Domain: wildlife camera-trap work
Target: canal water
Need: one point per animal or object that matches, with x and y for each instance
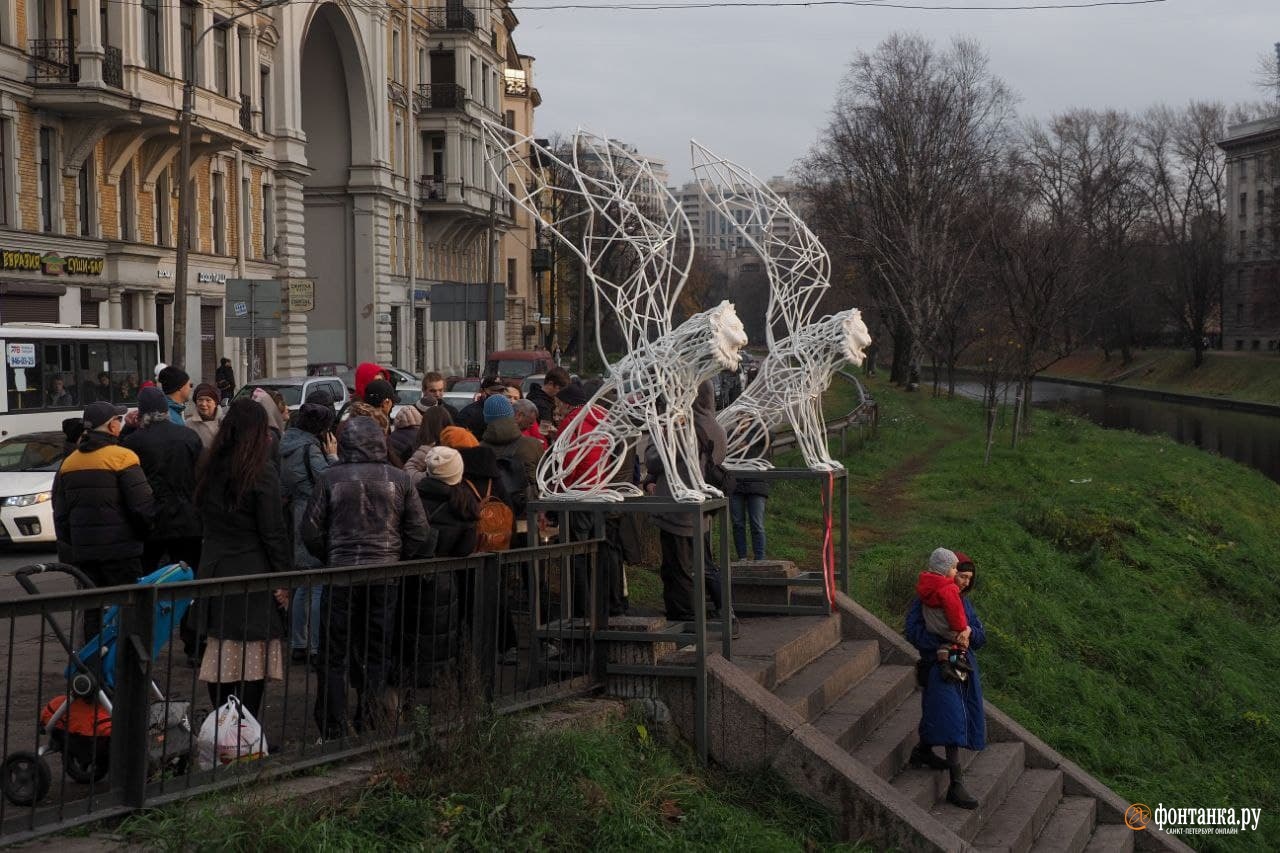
(1251, 439)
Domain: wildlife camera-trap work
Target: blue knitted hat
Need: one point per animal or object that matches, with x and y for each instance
(497, 406)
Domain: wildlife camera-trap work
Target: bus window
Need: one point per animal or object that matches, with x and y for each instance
(95, 372)
(124, 372)
(59, 373)
(24, 381)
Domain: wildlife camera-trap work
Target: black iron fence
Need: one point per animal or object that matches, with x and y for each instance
(53, 60)
(453, 17)
(442, 96)
(113, 67)
(331, 663)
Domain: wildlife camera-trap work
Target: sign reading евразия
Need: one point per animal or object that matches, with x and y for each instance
(49, 263)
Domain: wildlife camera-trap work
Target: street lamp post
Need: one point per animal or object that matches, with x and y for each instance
(177, 356)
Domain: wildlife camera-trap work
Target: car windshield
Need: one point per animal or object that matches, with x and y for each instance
(31, 453)
(511, 368)
(292, 393)
(408, 396)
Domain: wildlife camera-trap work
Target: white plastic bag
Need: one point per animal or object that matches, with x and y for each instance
(230, 733)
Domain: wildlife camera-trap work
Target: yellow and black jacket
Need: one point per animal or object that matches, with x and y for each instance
(102, 503)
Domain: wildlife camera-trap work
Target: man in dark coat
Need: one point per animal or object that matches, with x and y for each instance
(675, 530)
(472, 415)
(225, 379)
(168, 454)
(521, 452)
(102, 505)
(544, 396)
(363, 511)
(433, 395)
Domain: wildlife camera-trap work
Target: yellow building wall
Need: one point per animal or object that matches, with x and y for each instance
(29, 197)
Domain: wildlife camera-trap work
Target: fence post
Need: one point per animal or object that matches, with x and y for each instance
(700, 633)
(131, 706)
(599, 602)
(484, 621)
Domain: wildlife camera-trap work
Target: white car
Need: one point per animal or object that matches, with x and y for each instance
(27, 466)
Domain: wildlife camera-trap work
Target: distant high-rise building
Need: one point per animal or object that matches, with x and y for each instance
(713, 232)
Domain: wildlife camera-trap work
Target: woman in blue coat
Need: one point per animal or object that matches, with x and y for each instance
(951, 712)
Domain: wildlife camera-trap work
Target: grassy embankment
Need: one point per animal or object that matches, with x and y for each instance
(1128, 586)
(500, 786)
(1241, 376)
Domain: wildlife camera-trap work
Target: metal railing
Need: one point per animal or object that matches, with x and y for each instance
(863, 417)
(414, 640)
(53, 61)
(246, 113)
(432, 188)
(452, 17)
(442, 96)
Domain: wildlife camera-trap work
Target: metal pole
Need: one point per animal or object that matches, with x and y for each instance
(177, 354)
(700, 634)
(488, 284)
(253, 322)
(844, 533)
(726, 587)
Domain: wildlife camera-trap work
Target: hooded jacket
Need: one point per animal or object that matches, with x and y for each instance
(712, 446)
(480, 469)
(507, 441)
(102, 503)
(940, 591)
(168, 454)
(586, 463)
(302, 461)
(364, 510)
(366, 372)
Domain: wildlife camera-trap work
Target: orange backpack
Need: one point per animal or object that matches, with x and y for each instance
(496, 521)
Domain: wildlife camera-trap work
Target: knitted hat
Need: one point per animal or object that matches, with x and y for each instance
(444, 464)
(458, 437)
(942, 561)
(172, 378)
(497, 406)
(962, 559)
(97, 414)
(204, 389)
(151, 400)
(573, 394)
(408, 416)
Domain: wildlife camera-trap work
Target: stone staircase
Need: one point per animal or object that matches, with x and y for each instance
(831, 703)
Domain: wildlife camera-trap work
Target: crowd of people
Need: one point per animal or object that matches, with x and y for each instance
(246, 486)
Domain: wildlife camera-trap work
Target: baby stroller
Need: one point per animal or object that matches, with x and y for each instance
(78, 723)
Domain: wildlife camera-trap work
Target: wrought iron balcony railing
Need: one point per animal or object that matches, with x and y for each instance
(443, 96)
(246, 113)
(53, 61)
(432, 188)
(113, 67)
(452, 17)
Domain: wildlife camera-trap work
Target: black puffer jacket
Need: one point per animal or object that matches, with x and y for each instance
(364, 511)
(457, 531)
(169, 454)
(102, 503)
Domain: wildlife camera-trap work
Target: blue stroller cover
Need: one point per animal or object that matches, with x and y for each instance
(99, 652)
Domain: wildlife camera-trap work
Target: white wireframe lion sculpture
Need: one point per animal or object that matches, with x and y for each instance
(622, 223)
(798, 369)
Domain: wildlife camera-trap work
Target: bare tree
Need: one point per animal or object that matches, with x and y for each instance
(914, 135)
(1085, 168)
(1184, 179)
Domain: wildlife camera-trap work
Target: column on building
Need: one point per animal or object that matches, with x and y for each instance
(89, 51)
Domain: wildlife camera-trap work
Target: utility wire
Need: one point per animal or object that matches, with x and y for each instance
(875, 4)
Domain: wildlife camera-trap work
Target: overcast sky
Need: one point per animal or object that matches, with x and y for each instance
(755, 85)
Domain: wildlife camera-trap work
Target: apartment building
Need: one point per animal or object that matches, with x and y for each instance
(1251, 292)
(333, 142)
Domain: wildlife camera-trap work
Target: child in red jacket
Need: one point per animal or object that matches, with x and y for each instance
(943, 612)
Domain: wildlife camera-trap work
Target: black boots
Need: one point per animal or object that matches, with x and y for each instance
(924, 756)
(956, 793)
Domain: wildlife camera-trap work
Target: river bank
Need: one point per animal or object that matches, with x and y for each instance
(1237, 376)
(1124, 583)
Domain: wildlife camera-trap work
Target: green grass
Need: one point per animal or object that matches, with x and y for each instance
(501, 787)
(1131, 616)
(1240, 376)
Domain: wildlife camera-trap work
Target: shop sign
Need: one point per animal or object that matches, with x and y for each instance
(49, 263)
(302, 294)
(211, 277)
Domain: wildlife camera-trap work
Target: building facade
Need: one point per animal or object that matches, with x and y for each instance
(712, 232)
(1251, 292)
(335, 143)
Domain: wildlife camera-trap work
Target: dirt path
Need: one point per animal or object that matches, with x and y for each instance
(888, 492)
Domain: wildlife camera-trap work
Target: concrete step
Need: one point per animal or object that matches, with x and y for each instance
(886, 748)
(1018, 820)
(988, 779)
(925, 787)
(773, 648)
(1069, 826)
(1111, 838)
(864, 705)
(813, 688)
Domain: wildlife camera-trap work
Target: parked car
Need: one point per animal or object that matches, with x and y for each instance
(518, 363)
(328, 368)
(28, 464)
(461, 391)
(535, 380)
(399, 376)
(296, 389)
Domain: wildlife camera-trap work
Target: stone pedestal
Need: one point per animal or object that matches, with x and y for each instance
(747, 589)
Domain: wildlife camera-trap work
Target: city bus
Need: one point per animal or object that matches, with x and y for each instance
(52, 371)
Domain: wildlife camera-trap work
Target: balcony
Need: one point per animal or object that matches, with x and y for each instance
(442, 96)
(54, 61)
(431, 188)
(453, 17)
(246, 113)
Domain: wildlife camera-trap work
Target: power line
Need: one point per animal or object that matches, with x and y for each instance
(876, 4)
